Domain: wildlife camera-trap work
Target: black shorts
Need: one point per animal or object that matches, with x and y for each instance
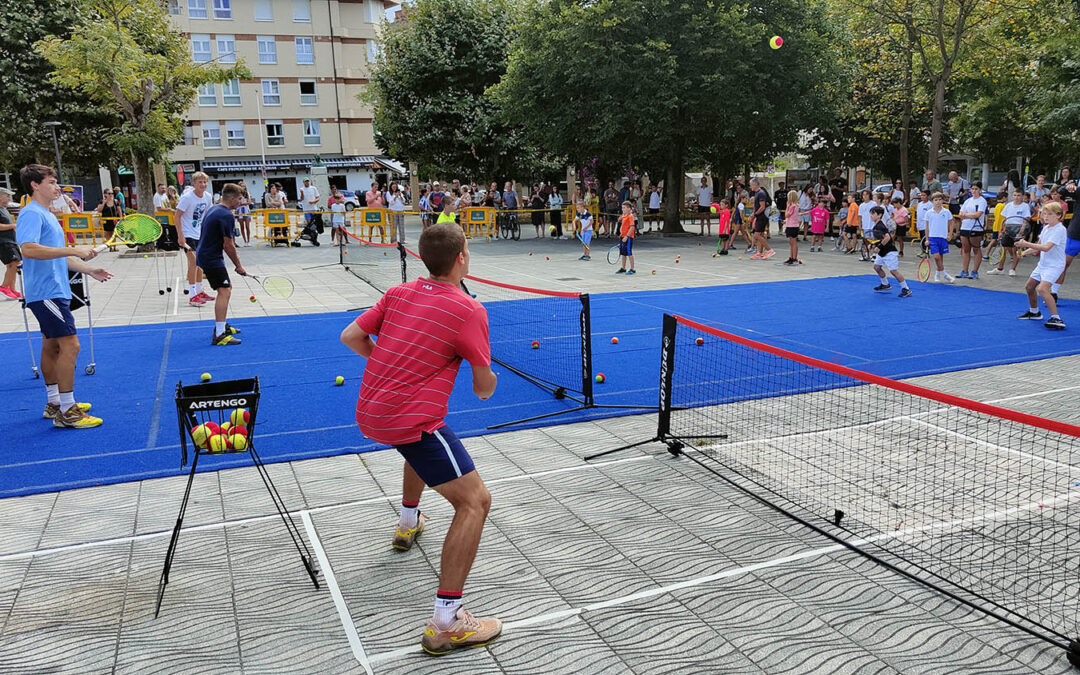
(1008, 240)
(704, 209)
(54, 317)
(954, 209)
(626, 248)
(899, 232)
(724, 236)
(217, 277)
(791, 232)
(972, 234)
(761, 223)
(193, 244)
(851, 229)
(9, 252)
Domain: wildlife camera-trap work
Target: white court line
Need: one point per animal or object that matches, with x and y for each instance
(995, 446)
(177, 292)
(21, 555)
(335, 592)
(699, 581)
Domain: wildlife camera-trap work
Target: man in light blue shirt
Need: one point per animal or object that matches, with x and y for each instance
(46, 262)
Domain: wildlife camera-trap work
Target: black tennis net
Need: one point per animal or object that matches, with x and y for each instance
(977, 501)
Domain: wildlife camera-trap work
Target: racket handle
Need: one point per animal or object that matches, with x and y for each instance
(101, 248)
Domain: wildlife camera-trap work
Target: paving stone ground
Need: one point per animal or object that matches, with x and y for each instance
(638, 563)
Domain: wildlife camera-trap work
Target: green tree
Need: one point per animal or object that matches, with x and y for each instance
(668, 82)
(427, 89)
(126, 57)
(28, 98)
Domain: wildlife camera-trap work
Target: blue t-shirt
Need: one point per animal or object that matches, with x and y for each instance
(217, 224)
(510, 200)
(45, 279)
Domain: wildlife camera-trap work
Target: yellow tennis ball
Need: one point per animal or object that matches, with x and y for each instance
(339, 380)
(201, 434)
(218, 444)
(225, 428)
(238, 441)
(205, 377)
(239, 417)
(776, 42)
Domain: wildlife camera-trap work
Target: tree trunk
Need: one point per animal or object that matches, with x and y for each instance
(936, 119)
(144, 184)
(673, 190)
(905, 127)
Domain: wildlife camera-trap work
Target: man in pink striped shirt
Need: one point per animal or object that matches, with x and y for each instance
(425, 329)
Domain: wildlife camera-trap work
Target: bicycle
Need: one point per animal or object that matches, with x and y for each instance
(508, 226)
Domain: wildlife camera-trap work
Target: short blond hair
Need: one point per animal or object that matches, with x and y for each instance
(197, 175)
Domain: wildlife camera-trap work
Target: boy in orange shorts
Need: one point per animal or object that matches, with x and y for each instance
(626, 239)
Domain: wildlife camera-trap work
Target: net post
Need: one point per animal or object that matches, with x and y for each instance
(586, 350)
(667, 369)
(404, 265)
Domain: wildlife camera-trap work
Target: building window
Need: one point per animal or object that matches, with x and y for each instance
(226, 49)
(375, 11)
(174, 7)
(307, 93)
(200, 48)
(372, 51)
(271, 92)
(208, 94)
(305, 50)
(189, 134)
(264, 10)
(222, 9)
(275, 132)
(230, 92)
(301, 11)
(234, 132)
(196, 9)
(267, 49)
(311, 133)
(211, 134)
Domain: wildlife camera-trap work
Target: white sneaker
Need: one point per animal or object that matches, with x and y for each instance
(995, 271)
(949, 278)
(1012, 273)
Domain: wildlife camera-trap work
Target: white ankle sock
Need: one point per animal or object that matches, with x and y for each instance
(191, 291)
(445, 611)
(903, 284)
(198, 287)
(67, 399)
(53, 392)
(219, 327)
(410, 515)
(1034, 310)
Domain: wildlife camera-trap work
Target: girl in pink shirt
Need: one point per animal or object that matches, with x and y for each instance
(901, 218)
(819, 218)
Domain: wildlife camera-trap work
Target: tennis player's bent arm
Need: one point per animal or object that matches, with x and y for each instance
(483, 382)
(357, 340)
(39, 252)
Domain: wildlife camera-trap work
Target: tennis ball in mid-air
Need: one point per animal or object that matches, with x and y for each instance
(339, 380)
(614, 340)
(205, 377)
(252, 298)
(218, 443)
(699, 341)
(536, 344)
(776, 42)
(239, 417)
(714, 207)
(600, 378)
(201, 434)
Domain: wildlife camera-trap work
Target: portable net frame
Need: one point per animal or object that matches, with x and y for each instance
(379, 265)
(973, 500)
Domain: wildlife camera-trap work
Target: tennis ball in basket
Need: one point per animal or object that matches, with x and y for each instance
(201, 434)
(600, 378)
(233, 431)
(205, 377)
(614, 340)
(225, 428)
(699, 342)
(239, 417)
(535, 344)
(339, 380)
(218, 443)
(238, 441)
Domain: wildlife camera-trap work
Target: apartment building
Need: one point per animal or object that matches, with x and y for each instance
(309, 59)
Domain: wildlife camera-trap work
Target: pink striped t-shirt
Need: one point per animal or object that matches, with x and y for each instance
(425, 328)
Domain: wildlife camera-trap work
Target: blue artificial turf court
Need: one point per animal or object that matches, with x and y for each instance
(302, 415)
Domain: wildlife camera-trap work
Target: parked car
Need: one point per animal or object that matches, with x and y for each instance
(352, 200)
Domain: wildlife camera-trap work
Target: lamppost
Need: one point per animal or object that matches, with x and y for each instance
(56, 146)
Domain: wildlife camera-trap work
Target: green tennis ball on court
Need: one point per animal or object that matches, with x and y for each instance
(201, 434)
(218, 443)
(535, 344)
(600, 378)
(205, 377)
(699, 342)
(614, 340)
(339, 380)
(239, 417)
(252, 298)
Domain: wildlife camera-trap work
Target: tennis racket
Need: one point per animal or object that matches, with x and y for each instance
(134, 229)
(613, 255)
(922, 272)
(275, 287)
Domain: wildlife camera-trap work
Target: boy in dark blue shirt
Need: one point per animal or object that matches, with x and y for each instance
(215, 242)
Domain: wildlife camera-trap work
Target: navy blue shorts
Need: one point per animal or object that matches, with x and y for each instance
(1072, 247)
(54, 317)
(939, 245)
(626, 247)
(438, 457)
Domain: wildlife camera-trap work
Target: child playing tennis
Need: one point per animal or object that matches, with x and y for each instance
(723, 226)
(937, 232)
(1015, 217)
(583, 223)
(819, 220)
(886, 258)
(626, 239)
(1051, 249)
